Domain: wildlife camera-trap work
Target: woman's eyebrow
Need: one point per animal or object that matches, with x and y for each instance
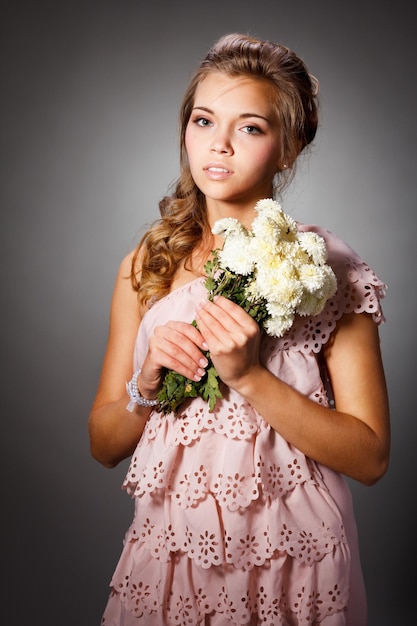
(241, 116)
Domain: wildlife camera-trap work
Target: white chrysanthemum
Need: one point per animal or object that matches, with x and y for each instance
(329, 287)
(284, 225)
(279, 265)
(288, 226)
(287, 269)
(270, 276)
(234, 255)
(291, 251)
(310, 305)
(228, 226)
(277, 326)
(312, 277)
(269, 207)
(314, 303)
(281, 285)
(266, 230)
(279, 309)
(260, 250)
(314, 245)
(290, 291)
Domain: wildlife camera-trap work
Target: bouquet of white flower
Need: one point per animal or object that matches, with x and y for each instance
(273, 271)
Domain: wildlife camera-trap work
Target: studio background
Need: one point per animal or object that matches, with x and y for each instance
(89, 109)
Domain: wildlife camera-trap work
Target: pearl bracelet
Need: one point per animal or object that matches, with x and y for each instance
(135, 395)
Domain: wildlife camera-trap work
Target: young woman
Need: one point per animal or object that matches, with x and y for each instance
(242, 514)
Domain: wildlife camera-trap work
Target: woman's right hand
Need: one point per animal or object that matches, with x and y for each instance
(177, 346)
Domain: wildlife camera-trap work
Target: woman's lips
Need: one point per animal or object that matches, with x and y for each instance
(217, 172)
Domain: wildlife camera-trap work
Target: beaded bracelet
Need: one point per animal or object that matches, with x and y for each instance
(135, 395)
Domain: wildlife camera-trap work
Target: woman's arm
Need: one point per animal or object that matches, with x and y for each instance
(353, 439)
(114, 431)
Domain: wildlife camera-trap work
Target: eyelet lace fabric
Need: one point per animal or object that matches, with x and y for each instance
(233, 525)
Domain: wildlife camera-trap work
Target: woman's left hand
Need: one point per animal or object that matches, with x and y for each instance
(232, 337)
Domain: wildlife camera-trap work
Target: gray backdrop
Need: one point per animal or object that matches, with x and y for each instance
(90, 96)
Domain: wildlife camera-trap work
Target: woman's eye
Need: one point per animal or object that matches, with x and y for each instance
(202, 121)
(251, 130)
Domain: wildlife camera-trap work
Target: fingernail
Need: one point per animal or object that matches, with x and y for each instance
(203, 362)
(201, 372)
(204, 346)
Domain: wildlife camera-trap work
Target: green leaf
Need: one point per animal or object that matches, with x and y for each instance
(211, 391)
(176, 388)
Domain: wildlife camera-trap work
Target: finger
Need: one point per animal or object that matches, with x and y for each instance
(189, 331)
(226, 313)
(235, 311)
(174, 350)
(221, 330)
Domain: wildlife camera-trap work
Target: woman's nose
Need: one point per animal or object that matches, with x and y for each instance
(221, 144)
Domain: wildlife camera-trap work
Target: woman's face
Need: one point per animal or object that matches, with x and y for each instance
(233, 140)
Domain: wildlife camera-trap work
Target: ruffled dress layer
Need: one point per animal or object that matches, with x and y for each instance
(233, 525)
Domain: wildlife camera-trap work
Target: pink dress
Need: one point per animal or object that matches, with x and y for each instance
(233, 525)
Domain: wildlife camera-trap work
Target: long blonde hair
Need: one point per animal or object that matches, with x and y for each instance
(183, 224)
